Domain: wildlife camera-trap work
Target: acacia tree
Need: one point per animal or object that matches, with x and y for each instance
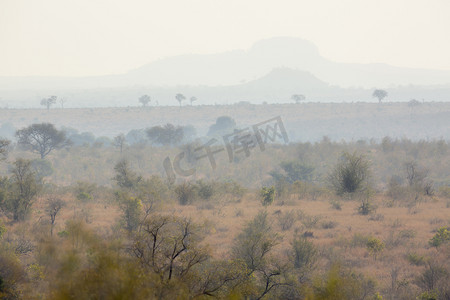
(168, 134)
(144, 100)
(42, 138)
(380, 94)
(193, 99)
(180, 98)
(298, 98)
(47, 102)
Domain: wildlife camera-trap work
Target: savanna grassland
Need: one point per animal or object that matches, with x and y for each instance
(355, 218)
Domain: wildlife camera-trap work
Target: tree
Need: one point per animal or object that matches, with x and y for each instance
(132, 210)
(180, 98)
(145, 100)
(351, 174)
(47, 102)
(298, 98)
(417, 178)
(193, 99)
(62, 101)
(4, 144)
(223, 125)
(119, 142)
(125, 177)
(380, 94)
(413, 102)
(54, 205)
(21, 190)
(253, 246)
(170, 246)
(255, 241)
(167, 135)
(42, 138)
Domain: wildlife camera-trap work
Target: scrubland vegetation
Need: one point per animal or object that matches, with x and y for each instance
(324, 220)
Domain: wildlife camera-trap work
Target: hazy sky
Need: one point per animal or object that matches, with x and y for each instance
(95, 37)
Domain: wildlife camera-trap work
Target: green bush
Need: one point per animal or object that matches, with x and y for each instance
(351, 174)
(415, 259)
(375, 246)
(304, 253)
(442, 236)
(185, 193)
(268, 195)
(206, 190)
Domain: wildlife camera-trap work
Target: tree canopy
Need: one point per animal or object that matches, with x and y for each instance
(42, 138)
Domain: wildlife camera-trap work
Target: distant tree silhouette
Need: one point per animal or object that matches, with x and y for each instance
(42, 138)
(380, 94)
(166, 135)
(180, 98)
(298, 98)
(223, 125)
(193, 99)
(62, 101)
(47, 102)
(413, 102)
(119, 142)
(144, 100)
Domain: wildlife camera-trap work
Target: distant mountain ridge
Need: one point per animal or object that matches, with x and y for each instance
(241, 66)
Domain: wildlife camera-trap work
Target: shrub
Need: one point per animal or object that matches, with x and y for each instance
(268, 195)
(304, 253)
(83, 191)
(375, 246)
(328, 224)
(376, 217)
(17, 195)
(444, 191)
(287, 220)
(366, 207)
(432, 276)
(131, 208)
(415, 259)
(442, 236)
(350, 175)
(310, 221)
(11, 275)
(185, 193)
(359, 240)
(205, 190)
(336, 204)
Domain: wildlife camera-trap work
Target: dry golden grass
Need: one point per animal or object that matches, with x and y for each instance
(224, 220)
